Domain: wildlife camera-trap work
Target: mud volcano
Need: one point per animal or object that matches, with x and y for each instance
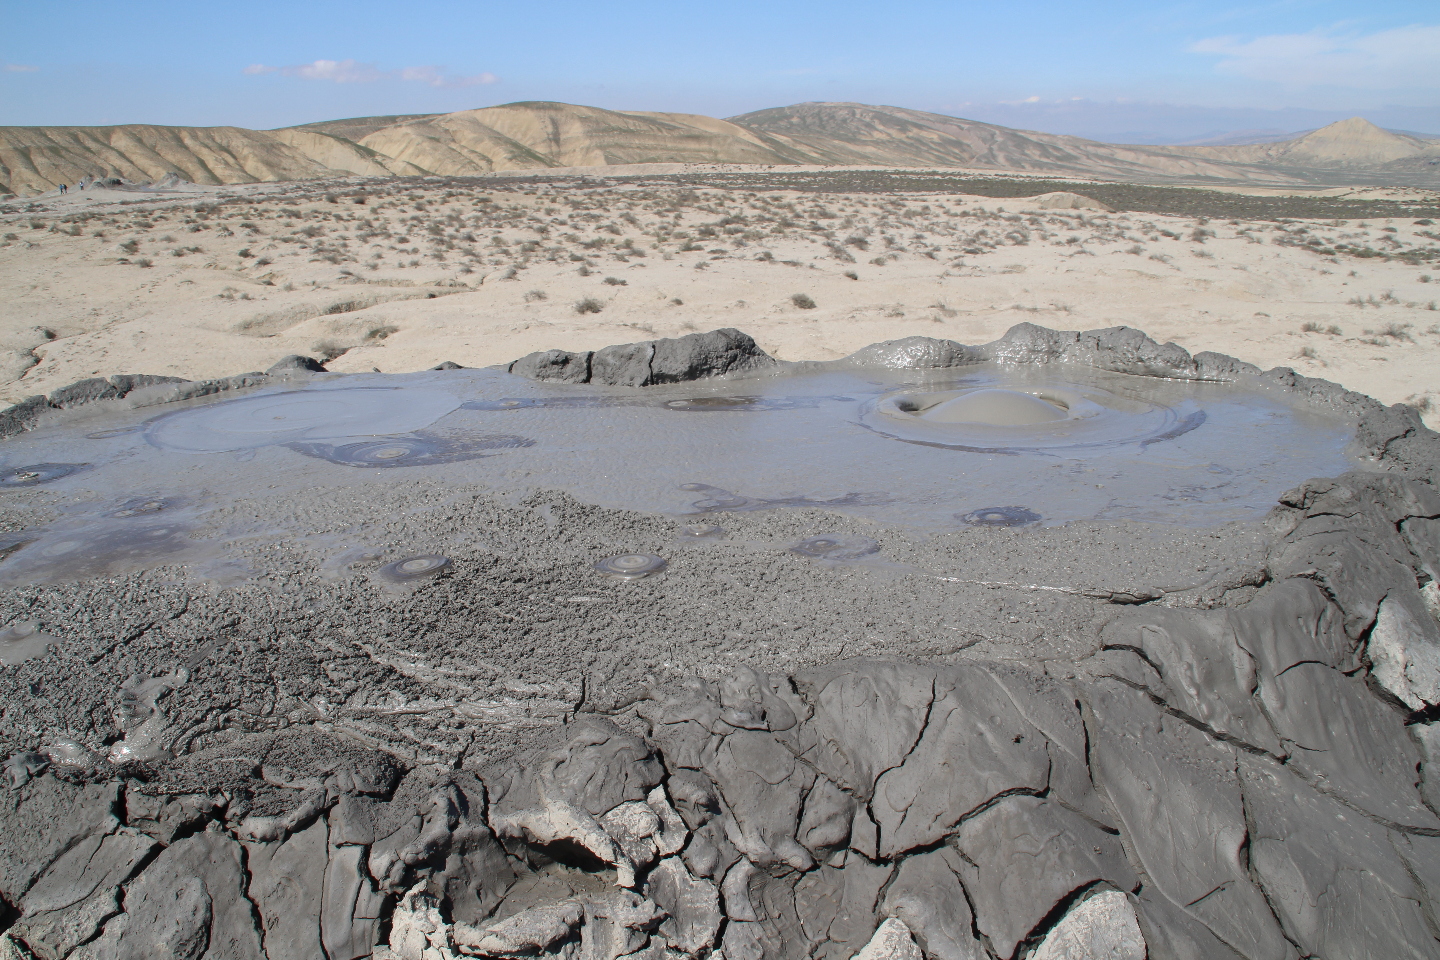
(1067, 645)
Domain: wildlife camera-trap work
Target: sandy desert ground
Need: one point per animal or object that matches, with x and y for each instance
(395, 275)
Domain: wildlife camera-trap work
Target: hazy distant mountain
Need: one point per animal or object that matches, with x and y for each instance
(539, 135)
(1241, 137)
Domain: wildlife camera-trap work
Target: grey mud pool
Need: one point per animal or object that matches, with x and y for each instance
(670, 650)
(988, 445)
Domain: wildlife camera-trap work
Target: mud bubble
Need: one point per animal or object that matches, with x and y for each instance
(1045, 418)
(991, 406)
(23, 641)
(141, 506)
(102, 550)
(1000, 517)
(721, 500)
(38, 473)
(419, 450)
(701, 531)
(630, 566)
(416, 568)
(832, 547)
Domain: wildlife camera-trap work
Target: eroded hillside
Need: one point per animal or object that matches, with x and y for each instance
(541, 135)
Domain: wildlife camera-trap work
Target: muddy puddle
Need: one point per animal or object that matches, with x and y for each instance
(994, 446)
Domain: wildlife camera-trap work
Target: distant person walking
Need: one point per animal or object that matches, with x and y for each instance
(63, 188)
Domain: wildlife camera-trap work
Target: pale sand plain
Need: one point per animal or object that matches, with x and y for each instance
(399, 275)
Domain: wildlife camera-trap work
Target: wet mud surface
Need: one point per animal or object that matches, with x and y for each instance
(584, 674)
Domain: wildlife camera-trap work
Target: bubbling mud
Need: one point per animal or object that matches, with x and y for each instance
(141, 506)
(991, 407)
(419, 450)
(1037, 419)
(416, 568)
(903, 448)
(630, 566)
(22, 641)
(106, 548)
(1000, 517)
(140, 719)
(38, 473)
(700, 531)
(721, 500)
(830, 547)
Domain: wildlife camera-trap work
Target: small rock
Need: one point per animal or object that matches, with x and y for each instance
(531, 931)
(554, 366)
(1103, 927)
(417, 930)
(295, 364)
(20, 768)
(10, 950)
(1404, 652)
(892, 941)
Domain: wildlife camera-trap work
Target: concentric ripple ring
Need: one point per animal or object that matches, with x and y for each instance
(631, 566)
(830, 547)
(416, 568)
(38, 473)
(296, 415)
(1000, 517)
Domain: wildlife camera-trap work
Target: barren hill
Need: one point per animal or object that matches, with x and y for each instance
(541, 135)
(854, 133)
(1353, 143)
(36, 159)
(357, 128)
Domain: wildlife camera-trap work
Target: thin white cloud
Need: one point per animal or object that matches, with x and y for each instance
(1403, 58)
(20, 68)
(352, 71)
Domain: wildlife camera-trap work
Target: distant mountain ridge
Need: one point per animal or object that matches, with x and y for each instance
(544, 135)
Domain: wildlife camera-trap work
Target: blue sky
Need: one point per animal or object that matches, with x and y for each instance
(1133, 71)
